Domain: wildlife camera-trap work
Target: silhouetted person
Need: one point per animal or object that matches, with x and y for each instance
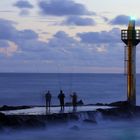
(74, 101)
(61, 98)
(48, 97)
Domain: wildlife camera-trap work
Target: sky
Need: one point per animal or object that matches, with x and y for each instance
(68, 36)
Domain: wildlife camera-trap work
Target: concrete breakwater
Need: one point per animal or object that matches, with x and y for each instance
(119, 112)
(39, 121)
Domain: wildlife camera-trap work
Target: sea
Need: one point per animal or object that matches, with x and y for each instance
(30, 88)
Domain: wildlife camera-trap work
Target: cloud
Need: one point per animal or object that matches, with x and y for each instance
(33, 45)
(24, 12)
(101, 49)
(68, 51)
(105, 18)
(23, 4)
(7, 11)
(78, 21)
(62, 49)
(24, 39)
(123, 20)
(7, 48)
(9, 32)
(112, 36)
(27, 34)
(62, 8)
(120, 20)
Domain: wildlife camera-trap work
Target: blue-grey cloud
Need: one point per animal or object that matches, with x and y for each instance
(25, 39)
(4, 44)
(24, 12)
(62, 8)
(61, 49)
(112, 36)
(23, 4)
(27, 34)
(105, 18)
(61, 45)
(120, 20)
(123, 20)
(9, 32)
(78, 21)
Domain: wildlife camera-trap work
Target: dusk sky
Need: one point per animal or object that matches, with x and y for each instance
(78, 36)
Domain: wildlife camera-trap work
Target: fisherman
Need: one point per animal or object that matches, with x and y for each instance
(74, 101)
(61, 98)
(48, 97)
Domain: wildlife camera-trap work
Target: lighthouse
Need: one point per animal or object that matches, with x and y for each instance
(131, 38)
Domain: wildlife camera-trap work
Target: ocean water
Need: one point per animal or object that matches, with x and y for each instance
(29, 89)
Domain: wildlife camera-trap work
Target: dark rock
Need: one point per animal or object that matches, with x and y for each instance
(3, 119)
(99, 104)
(6, 108)
(90, 121)
(62, 117)
(13, 121)
(73, 116)
(120, 104)
(119, 113)
(68, 104)
(80, 103)
(117, 104)
(34, 123)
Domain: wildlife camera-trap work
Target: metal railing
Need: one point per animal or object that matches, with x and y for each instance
(130, 34)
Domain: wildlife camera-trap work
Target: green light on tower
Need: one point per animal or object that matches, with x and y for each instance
(132, 18)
